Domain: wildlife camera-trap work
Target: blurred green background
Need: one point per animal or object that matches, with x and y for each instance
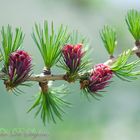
(117, 115)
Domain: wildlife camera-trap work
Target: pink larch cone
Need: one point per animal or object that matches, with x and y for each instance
(99, 78)
(19, 67)
(72, 55)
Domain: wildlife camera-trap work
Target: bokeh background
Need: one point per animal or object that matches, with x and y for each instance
(117, 115)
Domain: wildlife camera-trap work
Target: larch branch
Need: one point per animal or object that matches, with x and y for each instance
(42, 78)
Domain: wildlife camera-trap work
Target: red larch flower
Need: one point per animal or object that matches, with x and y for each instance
(72, 55)
(99, 78)
(19, 68)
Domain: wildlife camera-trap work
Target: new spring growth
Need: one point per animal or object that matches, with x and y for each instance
(72, 59)
(72, 56)
(19, 69)
(98, 78)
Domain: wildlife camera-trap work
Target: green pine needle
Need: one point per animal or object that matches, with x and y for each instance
(88, 94)
(76, 38)
(108, 36)
(50, 104)
(50, 43)
(1, 57)
(133, 23)
(123, 69)
(10, 42)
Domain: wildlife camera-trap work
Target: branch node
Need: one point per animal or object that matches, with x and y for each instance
(44, 84)
(84, 83)
(137, 43)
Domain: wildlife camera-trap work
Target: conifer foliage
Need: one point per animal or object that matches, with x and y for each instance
(69, 52)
